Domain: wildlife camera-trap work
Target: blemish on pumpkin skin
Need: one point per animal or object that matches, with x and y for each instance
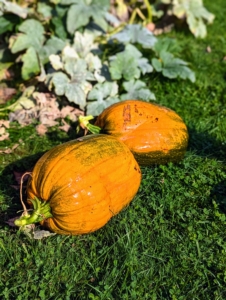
(126, 114)
(135, 108)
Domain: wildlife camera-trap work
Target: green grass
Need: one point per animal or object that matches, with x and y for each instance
(170, 242)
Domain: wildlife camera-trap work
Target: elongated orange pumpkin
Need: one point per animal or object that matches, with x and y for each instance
(155, 134)
(78, 186)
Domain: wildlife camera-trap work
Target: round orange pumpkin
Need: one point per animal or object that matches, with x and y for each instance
(78, 186)
(155, 134)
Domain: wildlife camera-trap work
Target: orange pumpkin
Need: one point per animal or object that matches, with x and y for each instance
(154, 134)
(78, 186)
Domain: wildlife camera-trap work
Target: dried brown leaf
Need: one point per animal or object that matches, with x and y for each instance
(6, 94)
(9, 150)
(40, 234)
(4, 136)
(208, 49)
(41, 129)
(4, 123)
(65, 127)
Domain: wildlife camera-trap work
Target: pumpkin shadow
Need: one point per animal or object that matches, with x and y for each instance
(218, 194)
(10, 187)
(204, 145)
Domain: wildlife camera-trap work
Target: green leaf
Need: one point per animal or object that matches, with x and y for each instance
(103, 91)
(31, 65)
(52, 46)
(82, 11)
(76, 94)
(77, 69)
(157, 64)
(144, 65)
(128, 64)
(125, 64)
(59, 80)
(137, 90)
(96, 107)
(172, 67)
(195, 13)
(136, 33)
(105, 94)
(59, 28)
(166, 44)
(7, 23)
(32, 36)
(45, 10)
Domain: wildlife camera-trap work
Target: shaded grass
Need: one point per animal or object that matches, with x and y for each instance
(170, 242)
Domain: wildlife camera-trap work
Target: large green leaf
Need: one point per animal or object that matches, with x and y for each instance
(7, 23)
(59, 80)
(167, 44)
(136, 33)
(52, 46)
(76, 94)
(105, 95)
(128, 64)
(124, 66)
(172, 67)
(137, 90)
(82, 11)
(44, 9)
(31, 65)
(32, 36)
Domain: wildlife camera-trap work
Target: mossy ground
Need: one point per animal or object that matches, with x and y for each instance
(170, 242)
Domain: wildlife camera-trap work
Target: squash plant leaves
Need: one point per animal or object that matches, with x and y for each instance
(32, 36)
(105, 95)
(137, 90)
(52, 46)
(83, 10)
(31, 65)
(172, 67)
(128, 64)
(136, 33)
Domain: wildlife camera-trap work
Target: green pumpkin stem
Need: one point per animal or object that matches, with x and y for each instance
(84, 124)
(40, 212)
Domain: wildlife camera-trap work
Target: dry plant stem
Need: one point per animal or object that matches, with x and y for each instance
(21, 196)
(41, 209)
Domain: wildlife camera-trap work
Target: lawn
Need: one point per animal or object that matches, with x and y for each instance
(170, 242)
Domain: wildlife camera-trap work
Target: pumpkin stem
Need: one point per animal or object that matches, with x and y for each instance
(40, 212)
(84, 124)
